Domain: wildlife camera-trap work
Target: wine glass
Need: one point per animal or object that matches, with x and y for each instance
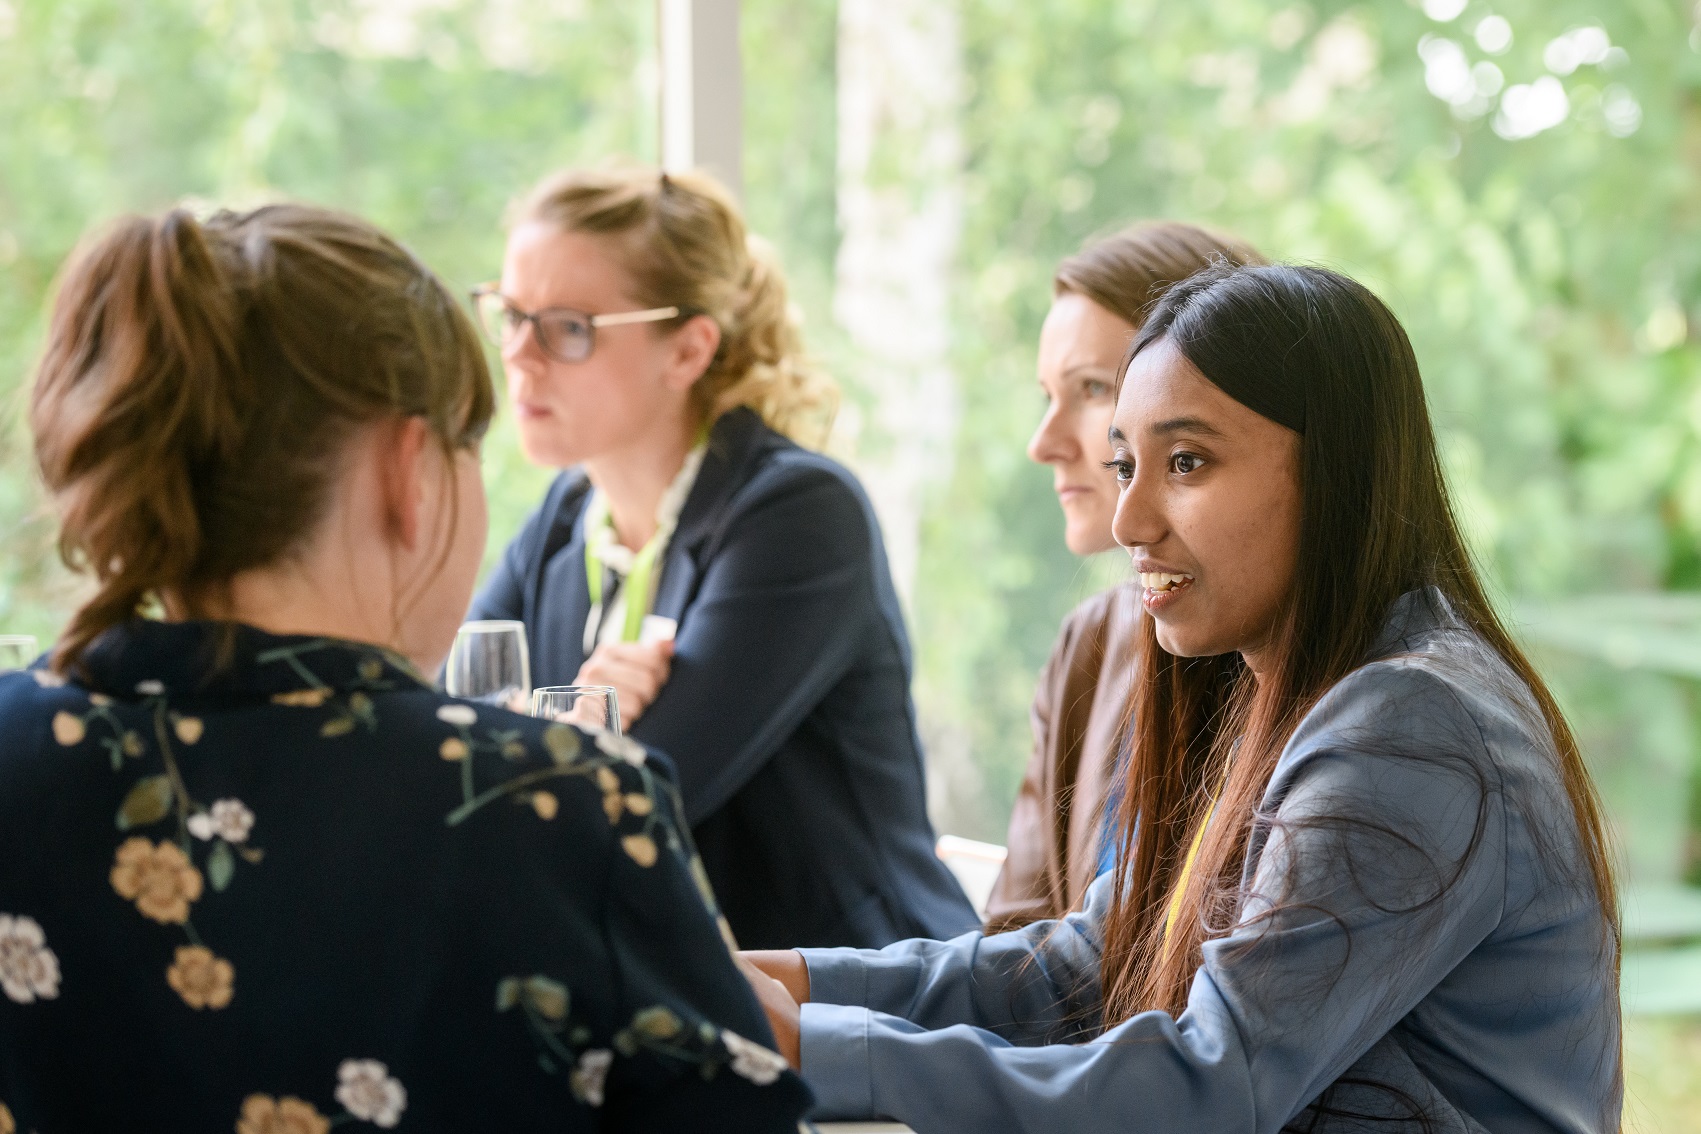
(588, 706)
(17, 651)
(489, 663)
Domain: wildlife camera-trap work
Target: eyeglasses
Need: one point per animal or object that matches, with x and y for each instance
(564, 334)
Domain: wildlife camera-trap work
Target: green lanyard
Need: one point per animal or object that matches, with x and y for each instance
(639, 581)
(638, 596)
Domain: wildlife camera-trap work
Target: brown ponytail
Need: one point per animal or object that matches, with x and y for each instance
(200, 381)
(684, 244)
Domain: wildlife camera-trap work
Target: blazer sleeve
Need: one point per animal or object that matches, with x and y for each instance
(779, 618)
(1279, 1009)
(695, 1048)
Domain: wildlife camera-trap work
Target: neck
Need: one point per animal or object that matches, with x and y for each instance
(634, 480)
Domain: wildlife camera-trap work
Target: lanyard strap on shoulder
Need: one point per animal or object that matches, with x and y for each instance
(637, 587)
(1187, 864)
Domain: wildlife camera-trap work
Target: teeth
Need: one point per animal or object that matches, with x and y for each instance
(1162, 580)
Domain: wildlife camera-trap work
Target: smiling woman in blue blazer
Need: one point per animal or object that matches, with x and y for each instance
(1361, 883)
(729, 583)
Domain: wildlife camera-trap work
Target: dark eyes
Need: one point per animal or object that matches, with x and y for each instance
(1179, 463)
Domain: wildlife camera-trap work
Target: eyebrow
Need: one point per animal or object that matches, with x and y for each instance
(1173, 425)
(1184, 425)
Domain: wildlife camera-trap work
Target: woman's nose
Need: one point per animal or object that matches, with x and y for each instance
(1138, 520)
(1053, 443)
(521, 346)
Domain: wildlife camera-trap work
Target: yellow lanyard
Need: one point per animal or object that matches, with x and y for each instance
(1174, 911)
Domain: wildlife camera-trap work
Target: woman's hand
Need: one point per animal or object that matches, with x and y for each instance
(780, 980)
(637, 670)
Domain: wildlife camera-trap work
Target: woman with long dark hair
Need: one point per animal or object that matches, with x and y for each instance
(1361, 879)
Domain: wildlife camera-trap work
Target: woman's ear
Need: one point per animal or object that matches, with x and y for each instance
(401, 449)
(692, 348)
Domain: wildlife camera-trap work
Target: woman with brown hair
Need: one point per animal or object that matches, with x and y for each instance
(1058, 840)
(730, 583)
(255, 871)
(1361, 879)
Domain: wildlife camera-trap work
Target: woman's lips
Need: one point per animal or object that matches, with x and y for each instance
(1161, 589)
(531, 410)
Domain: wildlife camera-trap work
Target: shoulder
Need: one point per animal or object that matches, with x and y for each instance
(1443, 720)
(806, 493)
(558, 510)
(36, 703)
(1101, 613)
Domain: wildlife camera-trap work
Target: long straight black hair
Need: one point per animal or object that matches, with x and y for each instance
(1318, 353)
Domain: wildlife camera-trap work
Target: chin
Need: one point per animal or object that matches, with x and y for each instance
(1177, 642)
(542, 447)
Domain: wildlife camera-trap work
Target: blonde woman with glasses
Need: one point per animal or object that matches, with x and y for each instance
(728, 581)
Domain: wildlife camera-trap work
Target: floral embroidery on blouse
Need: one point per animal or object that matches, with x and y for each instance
(589, 1075)
(365, 1088)
(262, 1114)
(203, 980)
(29, 970)
(8, 1125)
(367, 1091)
(546, 1005)
(162, 877)
(159, 879)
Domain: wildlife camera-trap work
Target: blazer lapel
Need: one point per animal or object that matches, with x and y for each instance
(733, 443)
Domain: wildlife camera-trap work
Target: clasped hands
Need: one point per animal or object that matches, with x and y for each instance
(780, 980)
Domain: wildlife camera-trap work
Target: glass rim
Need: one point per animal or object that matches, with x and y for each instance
(576, 689)
(490, 626)
(17, 639)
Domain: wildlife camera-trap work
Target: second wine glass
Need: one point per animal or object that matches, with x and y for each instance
(489, 663)
(588, 706)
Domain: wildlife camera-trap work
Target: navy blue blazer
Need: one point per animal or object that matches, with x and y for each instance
(788, 710)
(305, 888)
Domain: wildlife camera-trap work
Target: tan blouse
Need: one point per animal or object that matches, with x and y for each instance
(1078, 720)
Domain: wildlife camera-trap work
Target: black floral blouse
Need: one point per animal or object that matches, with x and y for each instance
(304, 889)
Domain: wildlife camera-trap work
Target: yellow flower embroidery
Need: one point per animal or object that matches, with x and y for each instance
(68, 729)
(638, 804)
(303, 698)
(641, 848)
(262, 1114)
(8, 1125)
(188, 729)
(453, 748)
(160, 880)
(545, 804)
(611, 805)
(203, 980)
(607, 780)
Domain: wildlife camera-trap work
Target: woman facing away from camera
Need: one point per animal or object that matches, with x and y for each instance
(650, 353)
(1368, 888)
(1059, 838)
(255, 872)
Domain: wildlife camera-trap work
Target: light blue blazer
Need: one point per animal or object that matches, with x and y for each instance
(1463, 971)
